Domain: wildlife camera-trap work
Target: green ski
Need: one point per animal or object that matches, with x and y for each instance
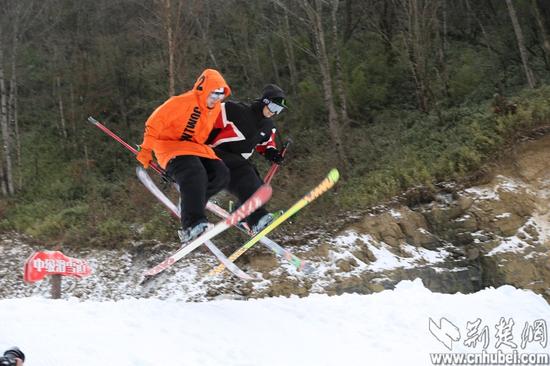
(324, 186)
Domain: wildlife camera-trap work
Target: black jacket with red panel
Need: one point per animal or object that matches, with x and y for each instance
(241, 129)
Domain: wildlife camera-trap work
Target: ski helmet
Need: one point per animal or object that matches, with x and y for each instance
(274, 98)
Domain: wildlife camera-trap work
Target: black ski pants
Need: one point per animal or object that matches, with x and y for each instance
(245, 180)
(198, 180)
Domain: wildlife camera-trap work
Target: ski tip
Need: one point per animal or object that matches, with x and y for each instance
(267, 189)
(264, 193)
(334, 175)
(246, 276)
(146, 279)
(216, 270)
(307, 269)
(92, 120)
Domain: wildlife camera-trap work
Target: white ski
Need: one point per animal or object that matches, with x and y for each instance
(261, 196)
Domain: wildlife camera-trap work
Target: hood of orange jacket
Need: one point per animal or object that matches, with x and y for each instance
(181, 125)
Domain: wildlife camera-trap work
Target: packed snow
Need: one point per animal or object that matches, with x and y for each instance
(505, 184)
(517, 243)
(385, 258)
(404, 326)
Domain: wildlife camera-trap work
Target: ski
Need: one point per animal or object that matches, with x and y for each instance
(300, 264)
(324, 186)
(174, 210)
(261, 196)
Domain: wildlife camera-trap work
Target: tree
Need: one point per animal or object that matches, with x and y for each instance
(172, 24)
(543, 32)
(6, 173)
(315, 22)
(289, 49)
(419, 25)
(521, 44)
(339, 77)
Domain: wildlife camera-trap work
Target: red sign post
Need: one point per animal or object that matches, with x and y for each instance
(57, 264)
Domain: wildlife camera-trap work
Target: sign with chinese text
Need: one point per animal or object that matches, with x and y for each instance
(41, 264)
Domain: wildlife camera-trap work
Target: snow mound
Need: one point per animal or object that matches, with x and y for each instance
(386, 328)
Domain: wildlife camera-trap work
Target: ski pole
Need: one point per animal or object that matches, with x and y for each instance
(274, 167)
(152, 164)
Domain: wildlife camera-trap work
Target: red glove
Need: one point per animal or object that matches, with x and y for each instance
(145, 156)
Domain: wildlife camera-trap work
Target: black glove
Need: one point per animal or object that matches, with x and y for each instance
(274, 156)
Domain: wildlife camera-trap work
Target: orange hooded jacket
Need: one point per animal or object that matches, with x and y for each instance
(182, 124)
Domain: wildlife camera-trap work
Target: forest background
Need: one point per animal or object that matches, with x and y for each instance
(396, 93)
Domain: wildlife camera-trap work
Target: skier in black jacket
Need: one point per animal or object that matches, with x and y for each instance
(239, 130)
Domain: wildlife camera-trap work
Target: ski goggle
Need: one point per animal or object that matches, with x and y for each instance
(274, 107)
(216, 95)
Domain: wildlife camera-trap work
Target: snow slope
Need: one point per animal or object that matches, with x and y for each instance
(387, 328)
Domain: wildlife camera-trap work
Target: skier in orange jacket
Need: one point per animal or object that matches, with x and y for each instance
(176, 132)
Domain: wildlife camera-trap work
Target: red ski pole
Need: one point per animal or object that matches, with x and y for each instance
(152, 164)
